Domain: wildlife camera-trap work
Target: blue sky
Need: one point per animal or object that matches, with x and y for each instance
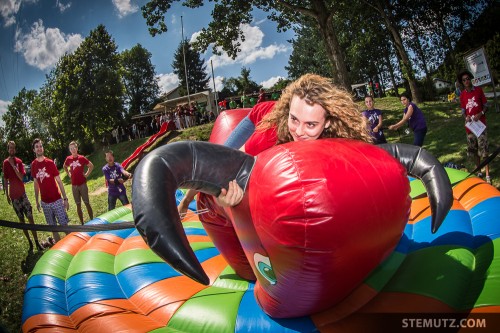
(35, 33)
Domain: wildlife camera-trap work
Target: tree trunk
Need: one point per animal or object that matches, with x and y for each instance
(400, 51)
(332, 45)
(391, 73)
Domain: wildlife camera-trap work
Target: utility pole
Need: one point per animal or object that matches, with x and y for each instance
(184, 55)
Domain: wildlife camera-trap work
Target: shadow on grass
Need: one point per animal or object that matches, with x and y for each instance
(30, 261)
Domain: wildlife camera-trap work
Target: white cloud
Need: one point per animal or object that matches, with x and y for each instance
(42, 47)
(271, 81)
(9, 9)
(62, 7)
(251, 49)
(168, 82)
(219, 83)
(125, 7)
(3, 109)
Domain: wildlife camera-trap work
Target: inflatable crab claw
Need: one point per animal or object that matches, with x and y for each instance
(160, 174)
(422, 165)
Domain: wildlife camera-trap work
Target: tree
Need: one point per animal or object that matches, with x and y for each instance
(19, 123)
(88, 88)
(306, 59)
(196, 69)
(139, 79)
(389, 13)
(224, 31)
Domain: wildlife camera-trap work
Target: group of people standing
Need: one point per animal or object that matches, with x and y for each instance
(473, 104)
(50, 194)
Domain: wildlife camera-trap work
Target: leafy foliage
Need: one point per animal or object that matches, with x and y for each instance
(139, 79)
(196, 69)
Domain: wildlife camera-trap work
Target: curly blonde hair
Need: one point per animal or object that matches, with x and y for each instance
(346, 120)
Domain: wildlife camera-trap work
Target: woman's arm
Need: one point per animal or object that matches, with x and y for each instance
(404, 120)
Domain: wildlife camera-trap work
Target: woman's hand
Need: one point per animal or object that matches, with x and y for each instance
(232, 196)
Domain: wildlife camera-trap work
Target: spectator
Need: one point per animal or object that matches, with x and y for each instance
(74, 167)
(262, 96)
(49, 186)
(415, 118)
(374, 117)
(115, 176)
(474, 106)
(14, 189)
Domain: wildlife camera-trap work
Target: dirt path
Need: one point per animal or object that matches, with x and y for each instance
(100, 190)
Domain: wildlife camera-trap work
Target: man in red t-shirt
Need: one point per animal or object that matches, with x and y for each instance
(474, 105)
(74, 166)
(48, 184)
(13, 173)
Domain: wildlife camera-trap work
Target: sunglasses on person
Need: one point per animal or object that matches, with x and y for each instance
(465, 79)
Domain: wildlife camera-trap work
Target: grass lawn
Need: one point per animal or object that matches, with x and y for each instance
(445, 139)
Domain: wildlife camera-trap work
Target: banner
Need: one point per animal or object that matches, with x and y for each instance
(477, 64)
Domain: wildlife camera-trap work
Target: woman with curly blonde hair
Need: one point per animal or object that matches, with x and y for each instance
(310, 108)
(342, 115)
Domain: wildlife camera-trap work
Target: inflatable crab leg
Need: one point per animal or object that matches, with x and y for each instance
(419, 163)
(201, 166)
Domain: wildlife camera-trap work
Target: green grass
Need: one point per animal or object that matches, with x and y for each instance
(445, 139)
(16, 263)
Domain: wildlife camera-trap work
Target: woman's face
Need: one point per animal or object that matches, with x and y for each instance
(369, 103)
(405, 101)
(306, 121)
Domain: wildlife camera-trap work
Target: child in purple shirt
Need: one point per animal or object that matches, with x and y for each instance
(415, 118)
(114, 174)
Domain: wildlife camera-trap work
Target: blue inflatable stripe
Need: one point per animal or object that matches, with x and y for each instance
(137, 277)
(485, 218)
(455, 230)
(91, 287)
(195, 232)
(44, 294)
(251, 319)
(205, 254)
(134, 233)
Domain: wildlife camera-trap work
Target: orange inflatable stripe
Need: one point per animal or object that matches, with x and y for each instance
(191, 217)
(396, 302)
(357, 298)
(171, 292)
(129, 322)
(72, 242)
(487, 309)
(420, 209)
(161, 300)
(137, 242)
(132, 243)
(49, 323)
(104, 308)
(472, 191)
(107, 243)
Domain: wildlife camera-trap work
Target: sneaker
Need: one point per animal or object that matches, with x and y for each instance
(488, 179)
(480, 174)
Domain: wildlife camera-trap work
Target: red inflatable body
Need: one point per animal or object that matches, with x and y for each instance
(319, 242)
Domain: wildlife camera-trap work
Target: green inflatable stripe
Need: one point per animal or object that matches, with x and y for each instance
(417, 187)
(194, 225)
(115, 214)
(135, 257)
(217, 305)
(53, 262)
(485, 288)
(385, 271)
(91, 261)
(448, 273)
